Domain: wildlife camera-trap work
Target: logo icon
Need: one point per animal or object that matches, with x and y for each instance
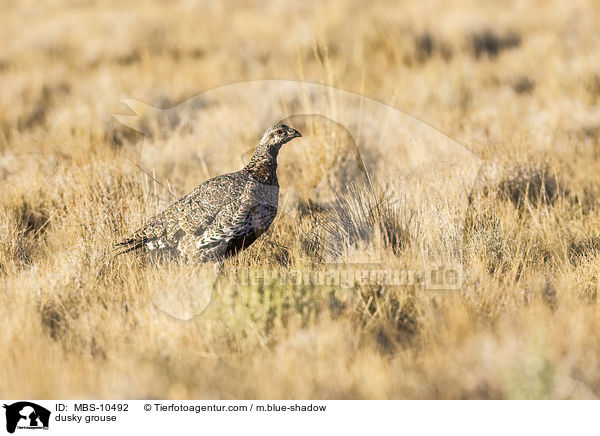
(26, 415)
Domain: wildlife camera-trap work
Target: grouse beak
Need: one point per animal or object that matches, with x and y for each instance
(296, 134)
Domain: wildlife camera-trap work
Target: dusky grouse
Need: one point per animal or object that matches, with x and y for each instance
(224, 214)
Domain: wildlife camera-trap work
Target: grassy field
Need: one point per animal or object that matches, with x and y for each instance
(516, 83)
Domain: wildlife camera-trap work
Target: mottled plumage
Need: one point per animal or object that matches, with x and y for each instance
(222, 215)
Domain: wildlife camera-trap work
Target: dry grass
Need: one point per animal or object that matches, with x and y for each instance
(517, 84)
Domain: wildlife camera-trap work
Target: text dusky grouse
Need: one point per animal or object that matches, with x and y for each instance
(224, 214)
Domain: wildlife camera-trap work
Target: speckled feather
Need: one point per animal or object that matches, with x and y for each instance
(222, 215)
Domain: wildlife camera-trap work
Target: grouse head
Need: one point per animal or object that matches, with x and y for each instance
(263, 164)
(278, 135)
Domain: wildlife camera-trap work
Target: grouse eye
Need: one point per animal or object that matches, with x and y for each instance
(280, 132)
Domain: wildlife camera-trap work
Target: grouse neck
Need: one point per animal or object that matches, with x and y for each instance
(263, 166)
